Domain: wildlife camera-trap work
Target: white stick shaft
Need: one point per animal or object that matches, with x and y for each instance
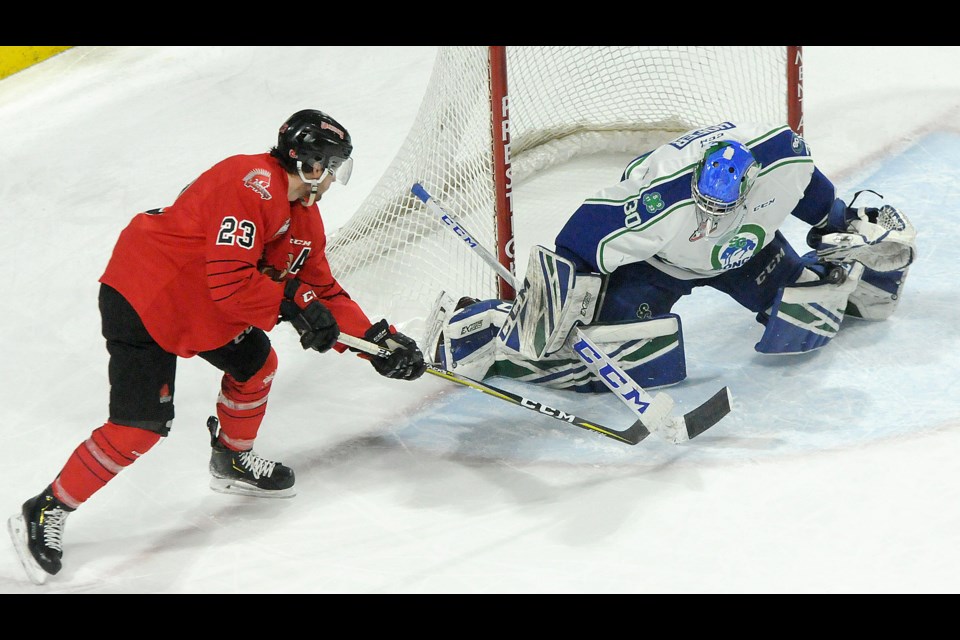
(363, 345)
(468, 238)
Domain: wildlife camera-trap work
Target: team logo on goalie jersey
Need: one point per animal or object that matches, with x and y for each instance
(259, 181)
(740, 248)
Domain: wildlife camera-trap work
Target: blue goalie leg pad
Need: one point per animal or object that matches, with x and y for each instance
(807, 316)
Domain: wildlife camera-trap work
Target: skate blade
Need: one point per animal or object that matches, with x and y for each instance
(232, 487)
(18, 534)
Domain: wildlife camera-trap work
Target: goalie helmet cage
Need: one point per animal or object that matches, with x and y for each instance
(492, 116)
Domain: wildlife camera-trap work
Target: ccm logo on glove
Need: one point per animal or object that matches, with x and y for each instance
(314, 323)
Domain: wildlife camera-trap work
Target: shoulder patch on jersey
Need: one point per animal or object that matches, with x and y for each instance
(652, 201)
(259, 181)
(798, 144)
(783, 146)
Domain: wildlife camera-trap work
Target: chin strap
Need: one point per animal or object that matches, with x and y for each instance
(314, 185)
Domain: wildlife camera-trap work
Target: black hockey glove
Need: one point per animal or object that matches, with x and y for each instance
(405, 361)
(313, 321)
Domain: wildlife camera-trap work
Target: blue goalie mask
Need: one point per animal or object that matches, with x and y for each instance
(721, 182)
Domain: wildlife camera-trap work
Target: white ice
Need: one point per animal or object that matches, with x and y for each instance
(835, 473)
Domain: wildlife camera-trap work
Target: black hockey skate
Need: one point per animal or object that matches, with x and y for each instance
(37, 534)
(244, 472)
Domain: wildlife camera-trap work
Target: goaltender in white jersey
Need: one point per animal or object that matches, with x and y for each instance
(651, 213)
(704, 209)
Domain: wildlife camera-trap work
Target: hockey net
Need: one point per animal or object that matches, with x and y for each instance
(470, 151)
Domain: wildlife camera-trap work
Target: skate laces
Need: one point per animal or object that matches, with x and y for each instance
(257, 465)
(53, 521)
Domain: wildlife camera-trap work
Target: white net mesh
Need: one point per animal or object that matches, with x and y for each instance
(564, 101)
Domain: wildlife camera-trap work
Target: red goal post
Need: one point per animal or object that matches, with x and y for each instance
(493, 116)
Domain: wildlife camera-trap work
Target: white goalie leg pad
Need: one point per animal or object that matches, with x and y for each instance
(468, 344)
(432, 341)
(553, 299)
(650, 352)
(808, 315)
(877, 295)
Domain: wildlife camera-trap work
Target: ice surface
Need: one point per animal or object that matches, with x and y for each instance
(835, 473)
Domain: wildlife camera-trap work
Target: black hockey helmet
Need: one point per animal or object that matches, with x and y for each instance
(310, 136)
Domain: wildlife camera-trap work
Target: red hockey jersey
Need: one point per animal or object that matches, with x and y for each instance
(204, 269)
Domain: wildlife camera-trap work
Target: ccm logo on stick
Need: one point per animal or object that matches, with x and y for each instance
(459, 231)
(618, 382)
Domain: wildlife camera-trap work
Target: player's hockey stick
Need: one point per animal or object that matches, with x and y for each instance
(652, 411)
(631, 435)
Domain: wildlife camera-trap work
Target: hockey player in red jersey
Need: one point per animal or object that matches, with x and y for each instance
(240, 249)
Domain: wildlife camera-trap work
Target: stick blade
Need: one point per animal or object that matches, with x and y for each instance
(707, 414)
(635, 433)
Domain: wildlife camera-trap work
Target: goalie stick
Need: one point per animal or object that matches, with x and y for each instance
(653, 412)
(631, 435)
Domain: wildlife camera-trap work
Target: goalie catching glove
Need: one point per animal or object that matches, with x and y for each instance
(882, 239)
(313, 321)
(405, 360)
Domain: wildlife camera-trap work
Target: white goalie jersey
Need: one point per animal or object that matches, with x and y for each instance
(650, 215)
